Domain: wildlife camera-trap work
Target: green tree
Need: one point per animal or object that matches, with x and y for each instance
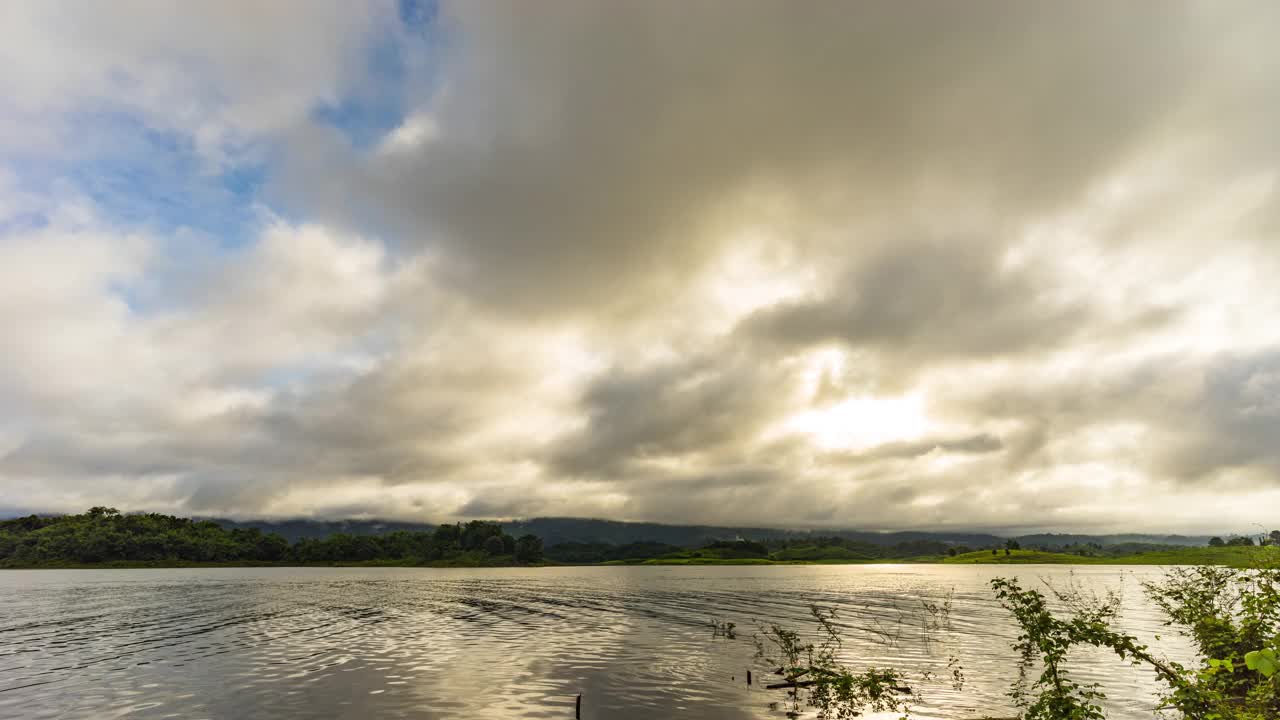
(528, 549)
(1216, 541)
(493, 545)
(447, 537)
(475, 533)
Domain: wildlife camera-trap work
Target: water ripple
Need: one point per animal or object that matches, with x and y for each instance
(493, 643)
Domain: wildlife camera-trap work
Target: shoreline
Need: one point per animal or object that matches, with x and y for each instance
(1238, 557)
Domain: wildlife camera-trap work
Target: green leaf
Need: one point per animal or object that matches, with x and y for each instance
(1263, 661)
(1216, 666)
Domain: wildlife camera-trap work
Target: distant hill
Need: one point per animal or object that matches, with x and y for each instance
(1054, 540)
(294, 530)
(557, 530)
(554, 531)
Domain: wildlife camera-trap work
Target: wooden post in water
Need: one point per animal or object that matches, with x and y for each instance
(577, 710)
(748, 677)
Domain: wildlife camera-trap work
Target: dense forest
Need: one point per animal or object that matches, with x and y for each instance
(104, 535)
(797, 549)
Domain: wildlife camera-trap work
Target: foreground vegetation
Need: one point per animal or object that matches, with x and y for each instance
(1230, 615)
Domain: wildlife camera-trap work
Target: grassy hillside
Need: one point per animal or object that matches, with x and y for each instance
(830, 553)
(1229, 556)
(708, 561)
(1016, 557)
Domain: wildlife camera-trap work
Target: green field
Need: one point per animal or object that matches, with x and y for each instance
(823, 554)
(711, 561)
(1229, 556)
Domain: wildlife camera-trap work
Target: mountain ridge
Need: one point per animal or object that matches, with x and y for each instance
(555, 530)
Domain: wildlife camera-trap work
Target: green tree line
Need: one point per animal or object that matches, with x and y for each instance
(104, 535)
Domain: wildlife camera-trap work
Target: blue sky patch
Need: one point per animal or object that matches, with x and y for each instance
(139, 176)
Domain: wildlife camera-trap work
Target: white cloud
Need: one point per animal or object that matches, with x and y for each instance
(416, 130)
(219, 73)
(838, 265)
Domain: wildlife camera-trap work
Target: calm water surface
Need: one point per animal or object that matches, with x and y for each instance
(500, 643)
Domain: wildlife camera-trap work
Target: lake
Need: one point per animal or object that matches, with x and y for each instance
(636, 642)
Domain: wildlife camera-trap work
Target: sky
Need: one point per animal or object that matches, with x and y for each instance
(983, 265)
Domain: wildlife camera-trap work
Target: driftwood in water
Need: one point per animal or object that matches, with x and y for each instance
(797, 684)
(810, 683)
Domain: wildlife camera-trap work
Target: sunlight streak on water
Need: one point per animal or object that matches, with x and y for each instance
(500, 643)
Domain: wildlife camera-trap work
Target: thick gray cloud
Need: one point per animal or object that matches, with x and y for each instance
(973, 444)
(701, 405)
(625, 145)
(993, 264)
(931, 301)
(916, 305)
(1234, 422)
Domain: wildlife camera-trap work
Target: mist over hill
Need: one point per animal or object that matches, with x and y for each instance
(1055, 540)
(557, 530)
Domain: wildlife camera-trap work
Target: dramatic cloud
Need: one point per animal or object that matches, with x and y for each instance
(993, 264)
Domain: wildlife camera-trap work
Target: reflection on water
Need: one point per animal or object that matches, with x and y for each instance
(497, 643)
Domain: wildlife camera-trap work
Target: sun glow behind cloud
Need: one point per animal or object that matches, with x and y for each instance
(862, 422)
(505, 259)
